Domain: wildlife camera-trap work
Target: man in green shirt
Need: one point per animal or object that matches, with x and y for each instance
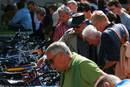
(77, 71)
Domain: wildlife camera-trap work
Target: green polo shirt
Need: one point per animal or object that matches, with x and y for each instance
(82, 73)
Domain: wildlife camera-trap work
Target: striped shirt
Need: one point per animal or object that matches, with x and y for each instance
(59, 31)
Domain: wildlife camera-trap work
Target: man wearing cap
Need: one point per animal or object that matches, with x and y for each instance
(76, 70)
(73, 36)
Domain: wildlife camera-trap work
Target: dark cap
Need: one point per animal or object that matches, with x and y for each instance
(76, 19)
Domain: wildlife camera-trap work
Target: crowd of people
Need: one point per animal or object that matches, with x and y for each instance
(85, 46)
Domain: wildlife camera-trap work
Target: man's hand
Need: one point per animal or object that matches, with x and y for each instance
(109, 64)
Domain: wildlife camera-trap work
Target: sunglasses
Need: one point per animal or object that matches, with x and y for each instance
(51, 60)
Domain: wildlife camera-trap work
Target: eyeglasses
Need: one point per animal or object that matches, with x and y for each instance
(51, 60)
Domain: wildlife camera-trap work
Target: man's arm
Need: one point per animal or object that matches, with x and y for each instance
(15, 19)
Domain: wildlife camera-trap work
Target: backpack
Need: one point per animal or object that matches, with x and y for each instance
(122, 68)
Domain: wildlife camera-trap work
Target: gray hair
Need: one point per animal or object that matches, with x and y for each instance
(112, 79)
(99, 15)
(72, 1)
(57, 47)
(64, 8)
(90, 32)
(41, 11)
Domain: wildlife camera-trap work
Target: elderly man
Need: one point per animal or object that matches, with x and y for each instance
(40, 33)
(77, 70)
(93, 37)
(110, 42)
(62, 26)
(73, 36)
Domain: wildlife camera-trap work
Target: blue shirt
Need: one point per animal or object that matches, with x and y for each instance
(23, 18)
(125, 19)
(124, 83)
(110, 44)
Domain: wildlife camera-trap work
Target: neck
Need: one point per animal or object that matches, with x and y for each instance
(69, 63)
(105, 25)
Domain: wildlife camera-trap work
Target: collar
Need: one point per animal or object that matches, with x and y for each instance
(109, 25)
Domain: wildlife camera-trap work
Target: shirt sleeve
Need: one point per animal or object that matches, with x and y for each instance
(90, 72)
(16, 18)
(128, 24)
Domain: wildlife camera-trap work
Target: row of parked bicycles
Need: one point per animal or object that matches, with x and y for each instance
(18, 57)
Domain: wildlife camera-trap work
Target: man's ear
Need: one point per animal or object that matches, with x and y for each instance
(107, 84)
